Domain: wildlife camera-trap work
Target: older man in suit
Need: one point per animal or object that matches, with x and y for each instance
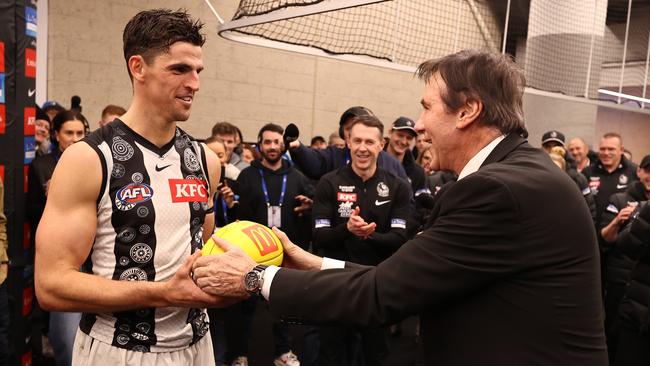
(507, 272)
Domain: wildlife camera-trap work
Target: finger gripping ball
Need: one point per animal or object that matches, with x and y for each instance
(258, 241)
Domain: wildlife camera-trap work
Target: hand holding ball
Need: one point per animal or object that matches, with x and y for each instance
(258, 241)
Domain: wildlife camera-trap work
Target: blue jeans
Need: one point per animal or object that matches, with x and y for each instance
(63, 328)
(4, 324)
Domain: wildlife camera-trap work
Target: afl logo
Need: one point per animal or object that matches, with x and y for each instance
(130, 195)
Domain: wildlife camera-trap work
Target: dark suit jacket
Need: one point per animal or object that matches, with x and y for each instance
(508, 274)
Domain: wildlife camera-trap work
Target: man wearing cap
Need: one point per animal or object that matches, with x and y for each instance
(551, 139)
(316, 162)
(52, 108)
(399, 146)
(42, 135)
(620, 211)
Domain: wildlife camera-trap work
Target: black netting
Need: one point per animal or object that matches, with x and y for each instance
(570, 47)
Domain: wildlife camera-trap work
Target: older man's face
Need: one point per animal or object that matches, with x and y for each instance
(610, 151)
(438, 123)
(578, 150)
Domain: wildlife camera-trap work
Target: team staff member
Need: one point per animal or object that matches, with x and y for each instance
(316, 162)
(135, 213)
(622, 207)
(507, 274)
(360, 214)
(399, 144)
(612, 173)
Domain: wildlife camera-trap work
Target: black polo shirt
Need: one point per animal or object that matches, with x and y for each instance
(603, 184)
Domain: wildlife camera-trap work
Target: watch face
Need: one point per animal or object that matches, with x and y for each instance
(252, 281)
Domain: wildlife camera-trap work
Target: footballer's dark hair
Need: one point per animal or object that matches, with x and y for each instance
(152, 32)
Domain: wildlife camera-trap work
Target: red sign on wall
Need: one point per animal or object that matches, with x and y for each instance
(30, 62)
(3, 118)
(30, 121)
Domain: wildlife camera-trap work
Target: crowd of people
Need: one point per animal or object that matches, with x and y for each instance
(121, 289)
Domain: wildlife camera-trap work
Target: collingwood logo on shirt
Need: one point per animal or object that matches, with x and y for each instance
(382, 189)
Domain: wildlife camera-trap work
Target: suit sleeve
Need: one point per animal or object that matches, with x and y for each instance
(326, 233)
(469, 247)
(399, 216)
(313, 162)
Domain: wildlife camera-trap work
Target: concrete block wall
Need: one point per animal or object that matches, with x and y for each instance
(243, 84)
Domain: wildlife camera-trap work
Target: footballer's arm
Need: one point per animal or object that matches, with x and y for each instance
(65, 237)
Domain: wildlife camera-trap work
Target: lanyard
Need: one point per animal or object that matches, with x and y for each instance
(224, 206)
(347, 156)
(266, 191)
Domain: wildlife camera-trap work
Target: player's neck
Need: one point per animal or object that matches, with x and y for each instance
(272, 166)
(148, 123)
(365, 174)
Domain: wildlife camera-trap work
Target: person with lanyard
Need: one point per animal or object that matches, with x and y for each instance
(274, 193)
(68, 128)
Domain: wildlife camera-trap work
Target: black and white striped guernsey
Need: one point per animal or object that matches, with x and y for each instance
(150, 213)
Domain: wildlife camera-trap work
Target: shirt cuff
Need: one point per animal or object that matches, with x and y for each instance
(268, 275)
(329, 263)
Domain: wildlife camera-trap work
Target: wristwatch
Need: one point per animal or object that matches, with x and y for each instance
(254, 279)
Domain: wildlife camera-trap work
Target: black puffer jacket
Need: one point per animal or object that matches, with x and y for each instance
(635, 241)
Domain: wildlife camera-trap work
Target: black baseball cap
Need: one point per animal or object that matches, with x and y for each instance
(645, 162)
(354, 112)
(405, 123)
(553, 135)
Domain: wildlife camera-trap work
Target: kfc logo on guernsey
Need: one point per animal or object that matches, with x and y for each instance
(346, 197)
(129, 196)
(188, 190)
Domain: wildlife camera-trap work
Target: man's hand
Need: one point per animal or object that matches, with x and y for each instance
(181, 291)
(223, 274)
(358, 226)
(625, 213)
(295, 257)
(227, 194)
(305, 204)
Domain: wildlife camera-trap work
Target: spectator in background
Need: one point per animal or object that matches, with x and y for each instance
(360, 214)
(336, 141)
(400, 139)
(68, 128)
(579, 150)
(42, 135)
(229, 134)
(551, 139)
(318, 142)
(558, 155)
(249, 153)
(315, 163)
(435, 179)
(612, 173)
(52, 108)
(4, 269)
(275, 193)
(634, 338)
(617, 215)
(218, 146)
(109, 113)
(422, 142)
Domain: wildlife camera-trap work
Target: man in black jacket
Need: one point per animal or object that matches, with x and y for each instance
(634, 336)
(316, 162)
(274, 193)
(507, 274)
(360, 214)
(617, 215)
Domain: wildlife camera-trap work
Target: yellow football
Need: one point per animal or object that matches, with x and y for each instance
(258, 241)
